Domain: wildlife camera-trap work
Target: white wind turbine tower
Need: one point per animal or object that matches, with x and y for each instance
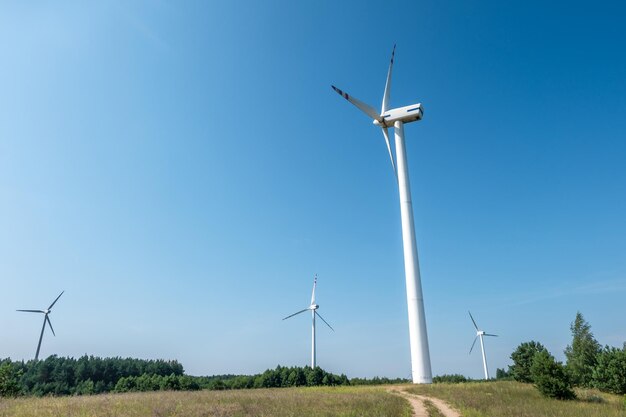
(313, 307)
(480, 334)
(46, 319)
(420, 355)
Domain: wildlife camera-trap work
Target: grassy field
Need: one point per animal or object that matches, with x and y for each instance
(340, 401)
(491, 399)
(512, 399)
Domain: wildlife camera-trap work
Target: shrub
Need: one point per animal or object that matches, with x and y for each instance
(550, 378)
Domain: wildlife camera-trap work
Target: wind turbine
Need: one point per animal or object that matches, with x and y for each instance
(313, 307)
(46, 319)
(480, 334)
(396, 118)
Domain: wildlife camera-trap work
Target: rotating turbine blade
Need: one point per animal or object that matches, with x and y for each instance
(393, 165)
(387, 93)
(493, 335)
(365, 108)
(32, 311)
(473, 344)
(295, 314)
(50, 324)
(473, 320)
(320, 316)
(313, 294)
(55, 300)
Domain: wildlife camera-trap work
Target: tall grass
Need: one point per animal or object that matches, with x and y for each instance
(314, 402)
(513, 399)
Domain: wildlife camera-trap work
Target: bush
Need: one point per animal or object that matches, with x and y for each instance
(550, 378)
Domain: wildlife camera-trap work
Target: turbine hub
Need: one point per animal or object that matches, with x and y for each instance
(314, 307)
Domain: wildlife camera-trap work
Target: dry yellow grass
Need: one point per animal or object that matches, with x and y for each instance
(339, 401)
(512, 399)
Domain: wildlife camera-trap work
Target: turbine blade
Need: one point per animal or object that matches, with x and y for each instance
(473, 344)
(32, 311)
(50, 324)
(313, 294)
(55, 300)
(365, 108)
(320, 316)
(295, 314)
(393, 164)
(385, 106)
(473, 320)
(487, 334)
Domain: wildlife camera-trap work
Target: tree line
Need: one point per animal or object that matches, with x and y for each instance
(93, 375)
(85, 375)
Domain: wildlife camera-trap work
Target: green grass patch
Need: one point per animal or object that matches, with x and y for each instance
(314, 402)
(514, 399)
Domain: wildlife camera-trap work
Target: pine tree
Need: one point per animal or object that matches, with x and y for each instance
(582, 354)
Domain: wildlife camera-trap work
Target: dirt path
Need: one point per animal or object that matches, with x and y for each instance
(417, 402)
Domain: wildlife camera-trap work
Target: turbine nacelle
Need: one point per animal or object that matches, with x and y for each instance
(314, 307)
(406, 114)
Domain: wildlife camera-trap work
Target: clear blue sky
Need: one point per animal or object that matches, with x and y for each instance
(183, 169)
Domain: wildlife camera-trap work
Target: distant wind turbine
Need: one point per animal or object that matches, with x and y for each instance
(480, 334)
(313, 307)
(46, 319)
(397, 118)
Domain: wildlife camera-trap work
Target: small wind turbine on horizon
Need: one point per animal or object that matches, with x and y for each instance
(397, 117)
(480, 334)
(46, 319)
(313, 308)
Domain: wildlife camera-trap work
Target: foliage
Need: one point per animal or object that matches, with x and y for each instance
(85, 375)
(282, 376)
(609, 373)
(91, 375)
(550, 377)
(378, 381)
(582, 353)
(9, 380)
(523, 359)
(154, 382)
(503, 375)
(451, 379)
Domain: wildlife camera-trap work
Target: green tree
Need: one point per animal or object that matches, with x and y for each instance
(609, 373)
(523, 359)
(502, 374)
(582, 353)
(550, 377)
(85, 387)
(9, 380)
